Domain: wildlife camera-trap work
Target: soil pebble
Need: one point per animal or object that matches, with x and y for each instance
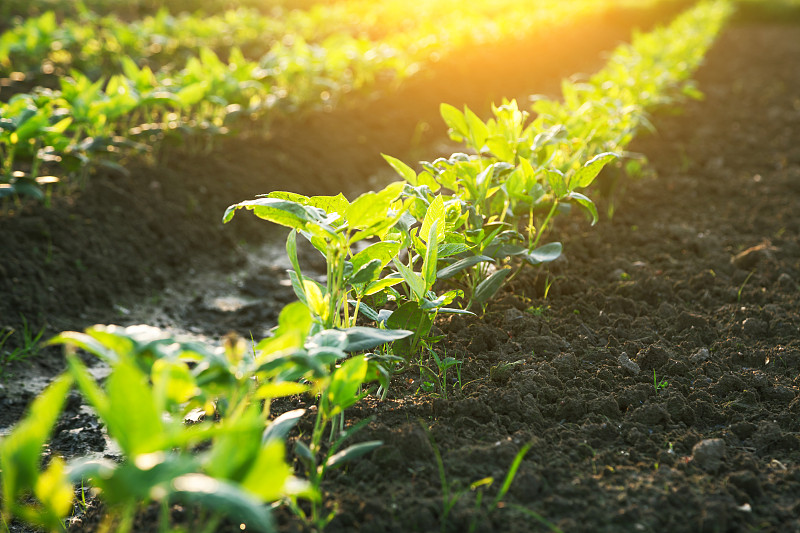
(626, 363)
(708, 454)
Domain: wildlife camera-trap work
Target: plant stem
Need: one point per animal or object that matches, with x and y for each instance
(543, 226)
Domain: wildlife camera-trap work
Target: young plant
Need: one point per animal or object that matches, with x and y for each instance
(438, 379)
(42, 498)
(659, 385)
(334, 225)
(147, 396)
(29, 346)
(450, 497)
(343, 389)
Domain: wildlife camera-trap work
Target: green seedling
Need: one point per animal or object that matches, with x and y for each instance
(659, 384)
(149, 392)
(20, 462)
(451, 497)
(438, 379)
(344, 388)
(29, 346)
(537, 310)
(156, 383)
(334, 225)
(742, 286)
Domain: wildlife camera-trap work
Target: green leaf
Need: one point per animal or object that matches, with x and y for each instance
(381, 284)
(173, 383)
(89, 388)
(454, 311)
(367, 273)
(365, 310)
(448, 249)
(500, 147)
(132, 417)
(488, 287)
(545, 254)
(409, 316)
(385, 251)
(478, 132)
(588, 172)
(371, 208)
(135, 479)
(328, 338)
(20, 451)
(345, 384)
(352, 452)
(317, 301)
(30, 128)
(85, 342)
(361, 338)
(462, 264)
(512, 471)
(329, 204)
(436, 213)
(455, 121)
(289, 196)
(280, 389)
(412, 279)
(235, 445)
(405, 171)
(291, 252)
(282, 425)
(303, 452)
(192, 94)
(28, 187)
(224, 497)
(586, 203)
(429, 263)
(55, 493)
(267, 475)
(283, 212)
(294, 322)
(558, 182)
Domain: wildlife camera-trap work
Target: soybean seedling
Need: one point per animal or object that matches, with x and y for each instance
(440, 377)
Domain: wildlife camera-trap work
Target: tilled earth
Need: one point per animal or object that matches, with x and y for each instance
(658, 383)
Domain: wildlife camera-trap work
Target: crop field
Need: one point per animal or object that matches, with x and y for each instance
(434, 266)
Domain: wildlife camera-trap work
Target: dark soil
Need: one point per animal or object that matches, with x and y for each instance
(693, 281)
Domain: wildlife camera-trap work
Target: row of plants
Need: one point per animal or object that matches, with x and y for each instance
(132, 107)
(193, 423)
(92, 43)
(91, 39)
(136, 9)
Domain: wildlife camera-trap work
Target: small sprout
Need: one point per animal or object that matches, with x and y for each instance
(536, 310)
(659, 385)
